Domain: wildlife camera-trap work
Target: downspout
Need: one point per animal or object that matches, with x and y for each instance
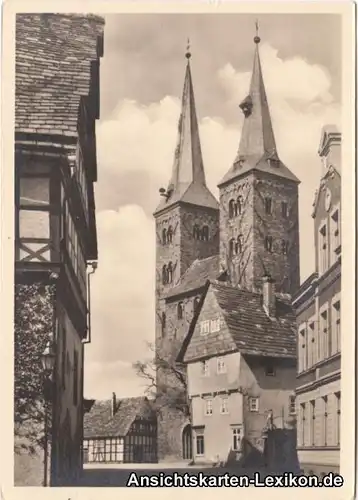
(94, 265)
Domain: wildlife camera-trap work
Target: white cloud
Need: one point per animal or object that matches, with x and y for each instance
(139, 141)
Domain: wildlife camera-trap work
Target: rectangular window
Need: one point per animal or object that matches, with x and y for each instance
(208, 407)
(338, 418)
(215, 325)
(323, 249)
(82, 179)
(303, 423)
(205, 368)
(224, 407)
(292, 405)
(34, 191)
(204, 327)
(268, 243)
(268, 206)
(303, 349)
(284, 209)
(75, 250)
(311, 345)
(336, 325)
(335, 233)
(200, 450)
(254, 404)
(236, 438)
(75, 378)
(324, 420)
(324, 334)
(221, 366)
(312, 422)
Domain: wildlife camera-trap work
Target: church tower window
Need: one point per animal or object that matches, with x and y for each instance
(170, 235)
(231, 209)
(164, 275)
(196, 232)
(239, 244)
(170, 272)
(268, 243)
(164, 321)
(180, 310)
(164, 236)
(268, 206)
(240, 203)
(284, 209)
(232, 247)
(205, 233)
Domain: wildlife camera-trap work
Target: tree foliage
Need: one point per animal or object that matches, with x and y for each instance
(165, 379)
(33, 328)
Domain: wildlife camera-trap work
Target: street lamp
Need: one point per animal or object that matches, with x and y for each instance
(48, 363)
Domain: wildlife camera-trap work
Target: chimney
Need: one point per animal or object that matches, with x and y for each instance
(269, 298)
(113, 404)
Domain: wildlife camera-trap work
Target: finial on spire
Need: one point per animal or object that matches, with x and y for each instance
(257, 39)
(188, 53)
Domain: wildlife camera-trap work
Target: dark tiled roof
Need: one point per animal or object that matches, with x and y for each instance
(53, 69)
(98, 421)
(252, 331)
(197, 275)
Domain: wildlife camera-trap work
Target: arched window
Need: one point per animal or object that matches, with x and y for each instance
(232, 247)
(180, 310)
(240, 203)
(205, 233)
(196, 232)
(196, 303)
(239, 244)
(231, 208)
(170, 234)
(164, 321)
(268, 243)
(164, 275)
(164, 236)
(170, 272)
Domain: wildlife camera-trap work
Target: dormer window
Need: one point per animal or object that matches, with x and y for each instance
(268, 206)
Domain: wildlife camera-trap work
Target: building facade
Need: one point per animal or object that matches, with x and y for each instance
(57, 104)
(318, 306)
(241, 364)
(251, 234)
(119, 431)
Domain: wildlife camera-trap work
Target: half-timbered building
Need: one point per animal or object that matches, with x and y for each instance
(119, 431)
(57, 104)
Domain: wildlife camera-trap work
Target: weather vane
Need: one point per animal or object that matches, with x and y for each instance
(257, 39)
(188, 54)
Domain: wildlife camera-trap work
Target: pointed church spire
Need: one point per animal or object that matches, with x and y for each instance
(188, 182)
(257, 148)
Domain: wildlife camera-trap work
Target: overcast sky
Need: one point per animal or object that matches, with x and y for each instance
(142, 75)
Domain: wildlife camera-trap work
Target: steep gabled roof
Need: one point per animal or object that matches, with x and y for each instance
(257, 148)
(188, 182)
(197, 275)
(54, 68)
(99, 422)
(251, 330)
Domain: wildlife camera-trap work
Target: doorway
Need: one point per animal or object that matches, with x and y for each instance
(187, 443)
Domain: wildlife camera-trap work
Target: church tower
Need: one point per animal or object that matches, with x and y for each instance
(187, 218)
(259, 232)
(187, 229)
